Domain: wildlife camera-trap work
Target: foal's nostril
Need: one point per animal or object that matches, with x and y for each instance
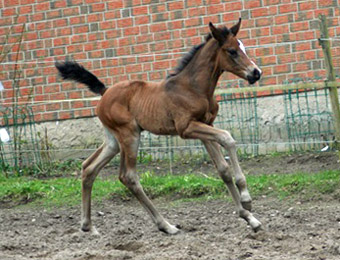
(256, 74)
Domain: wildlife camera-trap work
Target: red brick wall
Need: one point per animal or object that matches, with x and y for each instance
(119, 40)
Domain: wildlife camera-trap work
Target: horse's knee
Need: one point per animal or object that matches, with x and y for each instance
(227, 141)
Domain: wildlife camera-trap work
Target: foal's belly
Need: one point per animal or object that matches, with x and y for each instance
(158, 127)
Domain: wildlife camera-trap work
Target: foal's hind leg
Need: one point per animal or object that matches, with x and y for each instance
(223, 169)
(128, 176)
(90, 170)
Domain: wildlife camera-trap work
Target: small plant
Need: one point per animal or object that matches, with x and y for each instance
(144, 157)
(147, 175)
(45, 147)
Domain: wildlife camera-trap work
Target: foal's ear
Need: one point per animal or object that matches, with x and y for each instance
(216, 33)
(234, 30)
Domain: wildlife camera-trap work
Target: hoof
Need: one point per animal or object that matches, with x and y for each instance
(255, 225)
(252, 221)
(90, 230)
(257, 229)
(169, 229)
(246, 205)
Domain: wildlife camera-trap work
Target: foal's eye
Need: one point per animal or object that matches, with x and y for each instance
(232, 52)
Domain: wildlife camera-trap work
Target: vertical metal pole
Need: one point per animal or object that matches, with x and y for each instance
(333, 91)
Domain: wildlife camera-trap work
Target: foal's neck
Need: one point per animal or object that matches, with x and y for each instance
(203, 71)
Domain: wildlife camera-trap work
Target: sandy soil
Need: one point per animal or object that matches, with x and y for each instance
(210, 230)
(293, 229)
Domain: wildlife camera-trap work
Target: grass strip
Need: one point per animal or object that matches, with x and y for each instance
(67, 190)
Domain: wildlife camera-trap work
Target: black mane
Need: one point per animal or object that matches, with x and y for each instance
(189, 56)
(186, 59)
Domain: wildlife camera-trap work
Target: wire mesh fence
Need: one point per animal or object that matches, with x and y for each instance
(308, 119)
(296, 120)
(19, 143)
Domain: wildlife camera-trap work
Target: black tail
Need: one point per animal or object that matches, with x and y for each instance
(73, 71)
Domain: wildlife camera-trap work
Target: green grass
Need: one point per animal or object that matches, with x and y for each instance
(67, 190)
(305, 184)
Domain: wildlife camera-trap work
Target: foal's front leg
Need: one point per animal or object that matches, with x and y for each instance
(208, 133)
(211, 138)
(223, 169)
(240, 179)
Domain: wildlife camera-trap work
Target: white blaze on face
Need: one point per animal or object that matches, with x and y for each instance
(242, 46)
(243, 49)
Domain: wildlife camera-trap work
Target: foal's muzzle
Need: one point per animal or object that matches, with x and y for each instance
(254, 76)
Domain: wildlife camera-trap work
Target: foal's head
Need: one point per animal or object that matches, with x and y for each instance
(232, 56)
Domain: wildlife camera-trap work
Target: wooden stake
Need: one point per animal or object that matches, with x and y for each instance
(333, 92)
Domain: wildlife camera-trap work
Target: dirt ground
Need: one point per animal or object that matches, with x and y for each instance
(293, 229)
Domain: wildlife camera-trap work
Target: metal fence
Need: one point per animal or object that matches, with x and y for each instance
(299, 119)
(308, 119)
(22, 148)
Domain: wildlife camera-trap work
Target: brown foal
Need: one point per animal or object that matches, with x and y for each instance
(183, 104)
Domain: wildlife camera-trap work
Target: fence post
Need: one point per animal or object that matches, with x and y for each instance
(333, 91)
